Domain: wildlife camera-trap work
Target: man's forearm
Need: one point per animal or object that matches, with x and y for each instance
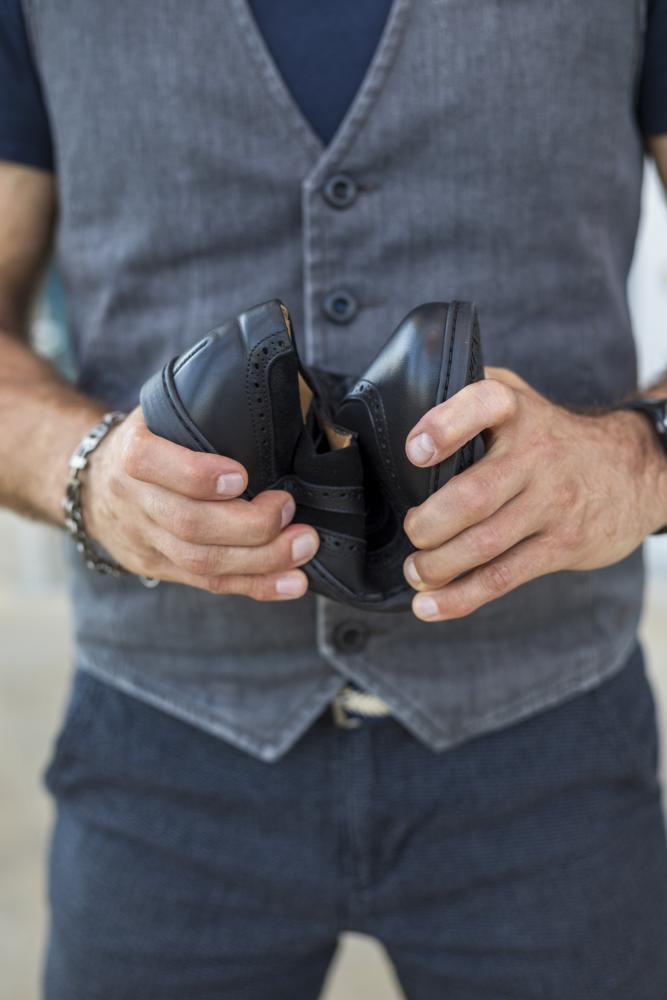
(41, 417)
(42, 420)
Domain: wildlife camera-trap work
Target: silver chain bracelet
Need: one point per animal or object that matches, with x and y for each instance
(72, 501)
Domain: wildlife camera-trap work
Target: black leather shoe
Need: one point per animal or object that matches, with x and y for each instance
(242, 392)
(234, 393)
(432, 354)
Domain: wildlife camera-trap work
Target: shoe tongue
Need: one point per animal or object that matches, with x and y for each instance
(339, 471)
(317, 461)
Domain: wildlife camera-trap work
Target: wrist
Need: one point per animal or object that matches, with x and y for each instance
(49, 484)
(75, 524)
(646, 463)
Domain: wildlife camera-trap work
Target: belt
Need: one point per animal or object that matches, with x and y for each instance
(351, 706)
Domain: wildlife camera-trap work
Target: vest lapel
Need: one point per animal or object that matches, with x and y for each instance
(321, 156)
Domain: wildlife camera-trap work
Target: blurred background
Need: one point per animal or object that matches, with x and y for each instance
(35, 662)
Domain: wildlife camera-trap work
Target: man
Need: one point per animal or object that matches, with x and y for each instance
(491, 810)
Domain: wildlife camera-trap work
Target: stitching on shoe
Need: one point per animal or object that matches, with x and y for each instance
(202, 444)
(363, 390)
(435, 479)
(328, 544)
(259, 406)
(332, 541)
(343, 499)
(467, 452)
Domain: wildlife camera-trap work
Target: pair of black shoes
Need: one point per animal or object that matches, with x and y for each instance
(335, 443)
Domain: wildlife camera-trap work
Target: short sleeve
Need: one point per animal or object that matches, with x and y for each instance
(25, 135)
(653, 89)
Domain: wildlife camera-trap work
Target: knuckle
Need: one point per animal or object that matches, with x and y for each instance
(201, 561)
(266, 530)
(566, 494)
(427, 569)
(265, 525)
(116, 484)
(497, 398)
(509, 377)
(544, 446)
(258, 589)
(438, 424)
(410, 528)
(486, 541)
(277, 556)
(474, 496)
(415, 529)
(218, 585)
(459, 606)
(496, 578)
(478, 500)
(571, 533)
(185, 524)
(193, 473)
(133, 452)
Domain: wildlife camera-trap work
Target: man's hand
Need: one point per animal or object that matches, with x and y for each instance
(554, 491)
(167, 512)
(160, 510)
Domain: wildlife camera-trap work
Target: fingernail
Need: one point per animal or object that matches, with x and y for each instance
(288, 512)
(421, 449)
(411, 573)
(426, 607)
(229, 484)
(290, 586)
(303, 547)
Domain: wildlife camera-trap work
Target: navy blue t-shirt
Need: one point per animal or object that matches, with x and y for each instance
(327, 44)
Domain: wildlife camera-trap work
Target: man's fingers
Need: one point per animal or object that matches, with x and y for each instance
(295, 546)
(276, 587)
(467, 499)
(200, 476)
(473, 547)
(235, 522)
(447, 427)
(523, 562)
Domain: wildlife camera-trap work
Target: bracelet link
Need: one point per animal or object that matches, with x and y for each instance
(71, 503)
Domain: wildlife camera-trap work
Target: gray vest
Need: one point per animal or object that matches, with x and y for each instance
(493, 154)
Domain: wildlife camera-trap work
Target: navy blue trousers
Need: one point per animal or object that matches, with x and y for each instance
(528, 864)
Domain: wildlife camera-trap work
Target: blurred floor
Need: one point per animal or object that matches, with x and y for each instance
(33, 675)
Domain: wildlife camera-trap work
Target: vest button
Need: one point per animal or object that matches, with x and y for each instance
(340, 190)
(340, 306)
(350, 637)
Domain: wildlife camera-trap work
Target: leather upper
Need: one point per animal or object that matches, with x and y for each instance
(242, 392)
(432, 354)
